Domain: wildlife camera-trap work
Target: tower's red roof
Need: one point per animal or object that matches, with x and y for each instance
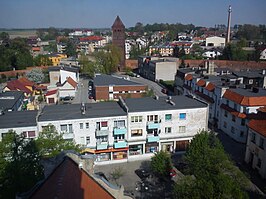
(118, 23)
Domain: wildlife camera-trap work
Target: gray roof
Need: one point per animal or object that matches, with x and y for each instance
(248, 92)
(151, 104)
(106, 80)
(249, 74)
(8, 99)
(73, 111)
(15, 119)
(66, 68)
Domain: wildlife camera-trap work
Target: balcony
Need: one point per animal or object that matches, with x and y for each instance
(151, 138)
(120, 131)
(120, 144)
(68, 136)
(102, 132)
(153, 125)
(101, 145)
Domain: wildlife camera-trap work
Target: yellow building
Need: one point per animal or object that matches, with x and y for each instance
(56, 58)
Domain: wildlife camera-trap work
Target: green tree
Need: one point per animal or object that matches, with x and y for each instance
(214, 175)
(4, 36)
(50, 143)
(20, 167)
(70, 49)
(42, 60)
(36, 75)
(161, 164)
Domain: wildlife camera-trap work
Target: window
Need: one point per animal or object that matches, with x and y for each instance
(101, 125)
(63, 127)
(168, 117)
(232, 129)
(136, 132)
(261, 143)
(67, 128)
(233, 118)
(182, 129)
(182, 116)
(80, 125)
(87, 125)
(225, 113)
(119, 124)
(152, 118)
(253, 138)
(29, 134)
(82, 140)
(119, 137)
(227, 102)
(243, 122)
(241, 133)
(250, 81)
(136, 119)
(88, 140)
(104, 124)
(235, 106)
(225, 125)
(259, 163)
(168, 129)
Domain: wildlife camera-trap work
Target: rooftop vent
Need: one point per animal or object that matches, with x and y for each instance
(83, 109)
(156, 97)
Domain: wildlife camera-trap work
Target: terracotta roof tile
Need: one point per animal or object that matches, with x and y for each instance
(51, 92)
(26, 82)
(16, 85)
(262, 109)
(91, 38)
(189, 77)
(72, 82)
(233, 111)
(259, 126)
(201, 83)
(210, 87)
(245, 100)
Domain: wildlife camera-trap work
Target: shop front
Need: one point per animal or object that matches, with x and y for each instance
(136, 149)
(167, 146)
(103, 157)
(151, 147)
(181, 145)
(119, 155)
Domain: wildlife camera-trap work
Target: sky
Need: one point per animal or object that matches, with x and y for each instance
(102, 13)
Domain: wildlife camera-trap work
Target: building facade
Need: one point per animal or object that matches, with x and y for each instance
(118, 39)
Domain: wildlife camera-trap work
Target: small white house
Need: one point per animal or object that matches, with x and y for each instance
(211, 54)
(215, 41)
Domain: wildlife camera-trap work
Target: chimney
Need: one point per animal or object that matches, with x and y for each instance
(228, 25)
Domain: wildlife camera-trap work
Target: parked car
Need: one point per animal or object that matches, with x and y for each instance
(142, 173)
(164, 90)
(172, 173)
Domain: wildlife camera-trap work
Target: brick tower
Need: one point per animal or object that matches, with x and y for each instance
(118, 30)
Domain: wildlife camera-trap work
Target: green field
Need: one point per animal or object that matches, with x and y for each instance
(20, 33)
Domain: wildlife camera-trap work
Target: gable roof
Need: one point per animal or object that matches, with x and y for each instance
(201, 83)
(51, 92)
(9, 99)
(210, 87)
(118, 23)
(246, 97)
(259, 126)
(26, 82)
(91, 38)
(189, 77)
(16, 85)
(72, 82)
(68, 181)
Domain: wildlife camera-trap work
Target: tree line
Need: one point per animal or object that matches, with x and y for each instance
(20, 159)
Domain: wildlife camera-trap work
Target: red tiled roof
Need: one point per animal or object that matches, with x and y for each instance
(210, 87)
(259, 126)
(205, 97)
(201, 83)
(40, 87)
(91, 38)
(244, 100)
(16, 85)
(72, 82)
(118, 23)
(68, 181)
(233, 111)
(26, 82)
(36, 48)
(188, 77)
(51, 92)
(262, 109)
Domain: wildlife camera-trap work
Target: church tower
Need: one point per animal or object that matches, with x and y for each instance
(118, 39)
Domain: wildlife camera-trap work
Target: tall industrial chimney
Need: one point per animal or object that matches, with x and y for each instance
(228, 25)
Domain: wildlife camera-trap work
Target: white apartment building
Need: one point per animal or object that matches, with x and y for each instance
(256, 146)
(22, 122)
(215, 42)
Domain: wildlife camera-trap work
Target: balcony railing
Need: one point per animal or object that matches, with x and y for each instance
(68, 135)
(120, 131)
(101, 145)
(153, 125)
(120, 144)
(102, 132)
(153, 138)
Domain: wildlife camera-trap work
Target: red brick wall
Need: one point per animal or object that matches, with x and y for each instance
(102, 93)
(234, 65)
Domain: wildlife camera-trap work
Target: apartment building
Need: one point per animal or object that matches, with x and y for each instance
(256, 146)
